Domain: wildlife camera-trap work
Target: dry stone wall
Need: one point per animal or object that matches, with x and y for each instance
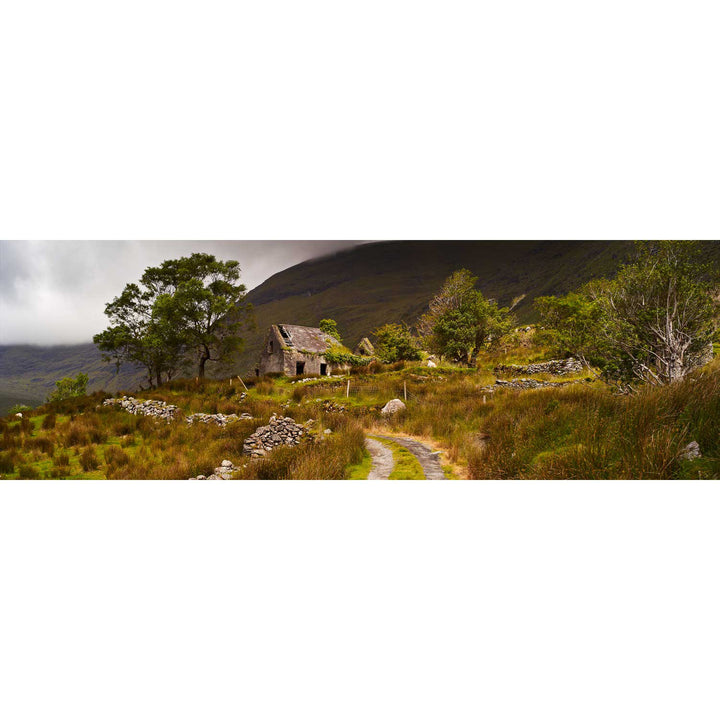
(280, 431)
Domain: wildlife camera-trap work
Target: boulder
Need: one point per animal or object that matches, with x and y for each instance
(394, 406)
(691, 451)
(431, 364)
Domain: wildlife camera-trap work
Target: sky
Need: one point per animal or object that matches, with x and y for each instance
(54, 291)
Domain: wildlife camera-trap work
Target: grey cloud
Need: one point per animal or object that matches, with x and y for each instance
(55, 291)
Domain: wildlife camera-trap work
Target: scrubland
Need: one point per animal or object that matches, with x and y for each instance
(581, 430)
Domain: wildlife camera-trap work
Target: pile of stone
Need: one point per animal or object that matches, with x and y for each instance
(223, 472)
(216, 418)
(313, 379)
(529, 384)
(280, 431)
(330, 406)
(153, 408)
(551, 367)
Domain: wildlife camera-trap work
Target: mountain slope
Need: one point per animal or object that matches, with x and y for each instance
(369, 285)
(28, 372)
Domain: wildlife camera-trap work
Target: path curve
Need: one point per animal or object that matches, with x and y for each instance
(382, 459)
(425, 456)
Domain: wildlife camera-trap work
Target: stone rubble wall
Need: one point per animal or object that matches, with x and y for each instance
(224, 471)
(280, 431)
(163, 411)
(216, 419)
(551, 367)
(152, 408)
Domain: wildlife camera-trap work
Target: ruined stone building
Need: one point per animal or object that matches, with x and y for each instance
(296, 350)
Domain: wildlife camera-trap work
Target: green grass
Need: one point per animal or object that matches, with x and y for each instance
(361, 470)
(407, 466)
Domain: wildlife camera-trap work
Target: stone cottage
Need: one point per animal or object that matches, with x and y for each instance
(296, 350)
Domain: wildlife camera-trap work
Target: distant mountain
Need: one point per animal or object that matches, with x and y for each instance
(28, 372)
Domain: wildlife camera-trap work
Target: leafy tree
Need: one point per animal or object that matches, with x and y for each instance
(394, 342)
(571, 324)
(461, 322)
(141, 334)
(652, 323)
(659, 315)
(201, 297)
(69, 387)
(330, 327)
(193, 306)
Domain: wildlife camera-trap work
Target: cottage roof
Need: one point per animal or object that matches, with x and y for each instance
(308, 339)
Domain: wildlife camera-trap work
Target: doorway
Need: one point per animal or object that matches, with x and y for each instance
(323, 368)
(299, 368)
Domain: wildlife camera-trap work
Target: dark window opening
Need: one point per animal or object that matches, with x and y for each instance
(271, 346)
(323, 368)
(299, 368)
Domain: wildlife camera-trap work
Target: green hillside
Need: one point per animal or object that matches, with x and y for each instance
(28, 372)
(372, 284)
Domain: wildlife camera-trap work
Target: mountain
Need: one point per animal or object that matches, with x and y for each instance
(361, 288)
(372, 284)
(28, 372)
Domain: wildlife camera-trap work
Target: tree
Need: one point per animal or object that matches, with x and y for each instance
(394, 342)
(659, 314)
(185, 307)
(201, 297)
(69, 387)
(653, 323)
(141, 334)
(461, 322)
(570, 325)
(330, 328)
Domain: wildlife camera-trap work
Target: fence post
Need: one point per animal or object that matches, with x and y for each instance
(347, 392)
(405, 389)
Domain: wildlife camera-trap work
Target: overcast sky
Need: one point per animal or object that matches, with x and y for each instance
(54, 292)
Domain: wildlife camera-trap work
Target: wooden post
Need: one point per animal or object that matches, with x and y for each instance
(405, 389)
(243, 384)
(484, 399)
(347, 392)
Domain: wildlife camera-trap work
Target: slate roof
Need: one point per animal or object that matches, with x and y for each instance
(308, 339)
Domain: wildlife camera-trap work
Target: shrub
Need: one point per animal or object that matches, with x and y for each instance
(7, 465)
(89, 460)
(27, 472)
(49, 421)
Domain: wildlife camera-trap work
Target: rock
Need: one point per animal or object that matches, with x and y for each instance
(431, 364)
(551, 367)
(226, 463)
(18, 415)
(327, 432)
(691, 451)
(394, 406)
(280, 431)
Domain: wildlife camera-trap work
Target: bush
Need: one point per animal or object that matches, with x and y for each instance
(89, 460)
(27, 472)
(7, 464)
(49, 421)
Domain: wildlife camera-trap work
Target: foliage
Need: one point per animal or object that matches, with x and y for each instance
(571, 324)
(20, 409)
(330, 328)
(191, 305)
(69, 388)
(654, 322)
(394, 342)
(460, 321)
(339, 355)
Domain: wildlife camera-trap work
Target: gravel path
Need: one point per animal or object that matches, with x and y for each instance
(382, 459)
(426, 457)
